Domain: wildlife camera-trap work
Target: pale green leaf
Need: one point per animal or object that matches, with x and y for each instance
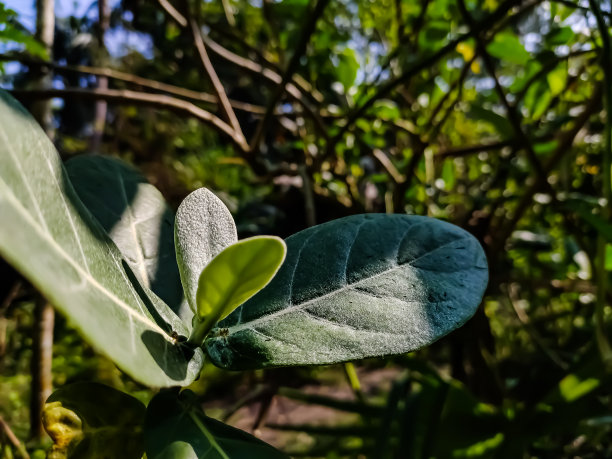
(234, 276)
(93, 421)
(49, 235)
(203, 228)
(361, 286)
(176, 428)
(557, 79)
(507, 46)
(347, 68)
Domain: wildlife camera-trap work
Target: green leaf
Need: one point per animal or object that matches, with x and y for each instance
(386, 109)
(361, 286)
(507, 46)
(537, 98)
(135, 215)
(48, 235)
(203, 228)
(500, 123)
(585, 212)
(90, 420)
(234, 276)
(347, 68)
(557, 79)
(176, 428)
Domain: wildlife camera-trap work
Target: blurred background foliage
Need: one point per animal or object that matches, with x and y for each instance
(490, 114)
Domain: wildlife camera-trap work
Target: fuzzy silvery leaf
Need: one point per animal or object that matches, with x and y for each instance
(53, 240)
(361, 286)
(203, 228)
(137, 218)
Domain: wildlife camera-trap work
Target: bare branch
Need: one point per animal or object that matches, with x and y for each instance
(212, 74)
(138, 98)
(173, 12)
(12, 438)
(513, 115)
(134, 79)
(467, 151)
(423, 64)
(388, 165)
(499, 235)
(307, 32)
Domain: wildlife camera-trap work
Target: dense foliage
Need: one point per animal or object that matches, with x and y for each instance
(489, 114)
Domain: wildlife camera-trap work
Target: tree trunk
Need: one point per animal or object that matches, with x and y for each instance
(42, 341)
(42, 354)
(100, 60)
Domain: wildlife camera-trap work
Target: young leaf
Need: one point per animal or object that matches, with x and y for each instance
(234, 276)
(203, 228)
(508, 47)
(90, 420)
(49, 235)
(361, 286)
(135, 215)
(176, 428)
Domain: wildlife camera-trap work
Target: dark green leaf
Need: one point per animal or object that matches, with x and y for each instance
(361, 286)
(93, 421)
(135, 215)
(508, 47)
(177, 428)
(499, 122)
(48, 234)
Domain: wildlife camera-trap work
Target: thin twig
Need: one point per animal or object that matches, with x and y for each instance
(224, 102)
(522, 316)
(499, 235)
(304, 86)
(309, 204)
(296, 90)
(423, 64)
(307, 32)
(10, 297)
(546, 68)
(10, 435)
(511, 111)
(600, 263)
(388, 165)
(473, 149)
(125, 96)
(173, 12)
(579, 7)
(135, 80)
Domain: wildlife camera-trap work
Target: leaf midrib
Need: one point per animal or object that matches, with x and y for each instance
(210, 437)
(16, 203)
(267, 317)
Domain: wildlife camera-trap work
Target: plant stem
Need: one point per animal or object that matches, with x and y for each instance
(600, 265)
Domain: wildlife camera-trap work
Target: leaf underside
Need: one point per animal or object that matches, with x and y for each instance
(48, 235)
(135, 215)
(176, 428)
(361, 286)
(82, 427)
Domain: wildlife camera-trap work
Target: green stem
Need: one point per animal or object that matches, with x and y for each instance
(601, 274)
(199, 332)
